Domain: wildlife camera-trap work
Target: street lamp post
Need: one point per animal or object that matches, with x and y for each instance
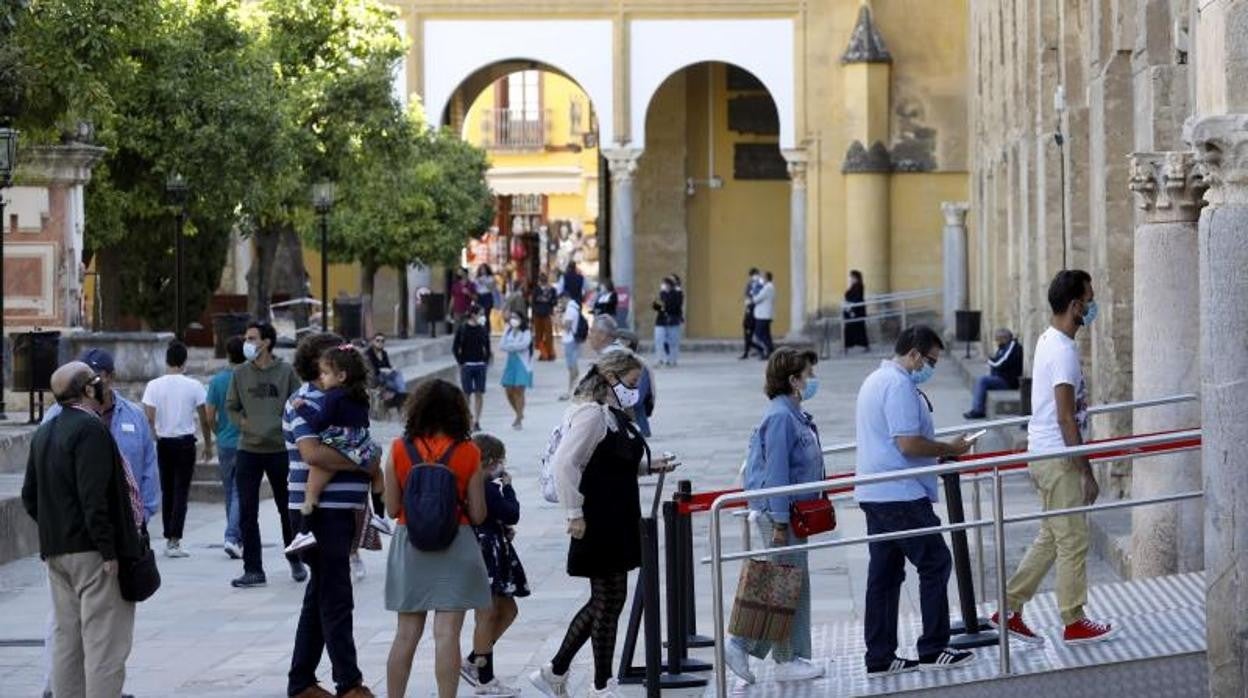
(323, 202)
(177, 190)
(8, 162)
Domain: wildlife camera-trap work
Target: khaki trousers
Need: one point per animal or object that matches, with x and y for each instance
(94, 628)
(1062, 539)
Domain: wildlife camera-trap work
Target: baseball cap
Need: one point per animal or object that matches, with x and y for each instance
(98, 360)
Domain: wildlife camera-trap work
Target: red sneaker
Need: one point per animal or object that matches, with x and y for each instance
(1017, 628)
(1084, 631)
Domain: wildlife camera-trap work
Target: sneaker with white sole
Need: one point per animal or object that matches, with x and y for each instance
(738, 660)
(549, 683)
(234, 550)
(611, 690)
(470, 674)
(496, 688)
(797, 670)
(302, 541)
(947, 659)
(899, 665)
(1084, 631)
(381, 524)
(1017, 628)
(173, 548)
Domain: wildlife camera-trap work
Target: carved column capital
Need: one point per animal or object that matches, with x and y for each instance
(955, 212)
(1221, 144)
(797, 160)
(1169, 186)
(622, 163)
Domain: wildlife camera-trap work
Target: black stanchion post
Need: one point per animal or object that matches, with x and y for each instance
(678, 563)
(973, 631)
(650, 591)
(684, 492)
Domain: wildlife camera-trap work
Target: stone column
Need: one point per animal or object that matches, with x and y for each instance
(797, 243)
(623, 164)
(955, 262)
(1166, 539)
(1221, 144)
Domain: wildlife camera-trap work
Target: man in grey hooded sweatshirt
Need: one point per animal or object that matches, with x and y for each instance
(256, 399)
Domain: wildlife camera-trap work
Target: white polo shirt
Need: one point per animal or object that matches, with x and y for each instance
(176, 398)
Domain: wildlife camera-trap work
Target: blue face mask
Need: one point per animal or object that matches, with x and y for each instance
(923, 374)
(812, 387)
(1089, 313)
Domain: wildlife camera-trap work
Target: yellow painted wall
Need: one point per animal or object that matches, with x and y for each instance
(917, 229)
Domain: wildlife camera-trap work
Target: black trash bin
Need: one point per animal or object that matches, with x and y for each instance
(349, 318)
(224, 326)
(35, 357)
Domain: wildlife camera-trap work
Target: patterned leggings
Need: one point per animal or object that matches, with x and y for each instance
(597, 622)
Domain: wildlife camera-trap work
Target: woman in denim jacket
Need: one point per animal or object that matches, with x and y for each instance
(784, 450)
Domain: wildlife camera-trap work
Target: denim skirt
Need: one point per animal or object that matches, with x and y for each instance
(454, 579)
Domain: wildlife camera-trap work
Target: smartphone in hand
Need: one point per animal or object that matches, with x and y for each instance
(972, 438)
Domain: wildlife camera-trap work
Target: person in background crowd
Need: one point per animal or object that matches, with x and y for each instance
(669, 316)
(448, 582)
(517, 343)
(390, 380)
(472, 351)
(462, 292)
(606, 302)
(764, 312)
(1004, 369)
(171, 403)
(486, 287)
(517, 301)
(602, 334)
(753, 285)
(508, 581)
(88, 511)
(256, 401)
(325, 621)
(784, 450)
(132, 433)
(597, 463)
(544, 299)
(571, 319)
(227, 443)
(572, 284)
(854, 315)
(895, 432)
(1059, 402)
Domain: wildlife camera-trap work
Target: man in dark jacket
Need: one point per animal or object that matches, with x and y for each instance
(1005, 368)
(88, 510)
(471, 347)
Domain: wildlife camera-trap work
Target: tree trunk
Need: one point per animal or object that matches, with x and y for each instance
(259, 288)
(402, 330)
(277, 268)
(108, 270)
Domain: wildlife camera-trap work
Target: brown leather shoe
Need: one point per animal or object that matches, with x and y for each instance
(360, 691)
(314, 691)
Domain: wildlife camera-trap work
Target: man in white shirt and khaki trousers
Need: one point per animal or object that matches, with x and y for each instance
(171, 403)
(1059, 415)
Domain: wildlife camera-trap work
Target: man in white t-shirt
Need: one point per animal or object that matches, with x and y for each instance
(571, 345)
(171, 403)
(1059, 402)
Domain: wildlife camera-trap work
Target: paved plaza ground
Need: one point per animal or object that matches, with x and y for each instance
(200, 637)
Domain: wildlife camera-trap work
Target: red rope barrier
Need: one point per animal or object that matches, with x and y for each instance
(701, 501)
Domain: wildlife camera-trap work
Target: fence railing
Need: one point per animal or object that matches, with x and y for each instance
(1126, 448)
(890, 305)
(516, 129)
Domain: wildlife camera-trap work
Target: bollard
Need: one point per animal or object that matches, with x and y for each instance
(684, 492)
(973, 631)
(650, 589)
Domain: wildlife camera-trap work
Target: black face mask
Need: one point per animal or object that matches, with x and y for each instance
(95, 391)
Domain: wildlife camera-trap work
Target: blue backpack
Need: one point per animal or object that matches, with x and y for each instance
(431, 502)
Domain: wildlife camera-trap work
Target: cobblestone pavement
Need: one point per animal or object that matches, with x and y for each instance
(200, 637)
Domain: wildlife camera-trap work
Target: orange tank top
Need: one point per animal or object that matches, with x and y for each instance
(465, 461)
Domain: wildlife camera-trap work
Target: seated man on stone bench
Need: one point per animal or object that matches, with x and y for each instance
(1005, 367)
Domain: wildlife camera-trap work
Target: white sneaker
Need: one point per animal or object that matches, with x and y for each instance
(797, 670)
(357, 567)
(302, 541)
(468, 671)
(496, 688)
(174, 548)
(549, 683)
(381, 524)
(234, 550)
(611, 690)
(738, 660)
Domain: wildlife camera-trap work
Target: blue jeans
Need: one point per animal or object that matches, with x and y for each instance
(227, 459)
(667, 343)
(325, 623)
(887, 570)
(392, 381)
(982, 386)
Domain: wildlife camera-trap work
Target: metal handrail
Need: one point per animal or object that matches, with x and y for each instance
(885, 299)
(997, 523)
(1016, 421)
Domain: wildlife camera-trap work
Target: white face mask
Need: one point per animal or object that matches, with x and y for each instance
(250, 351)
(626, 396)
(514, 322)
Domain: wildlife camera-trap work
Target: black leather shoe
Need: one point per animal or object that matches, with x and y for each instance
(249, 580)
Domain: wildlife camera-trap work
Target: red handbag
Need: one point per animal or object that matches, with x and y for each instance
(808, 517)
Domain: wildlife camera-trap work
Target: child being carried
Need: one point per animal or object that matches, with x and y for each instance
(341, 422)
